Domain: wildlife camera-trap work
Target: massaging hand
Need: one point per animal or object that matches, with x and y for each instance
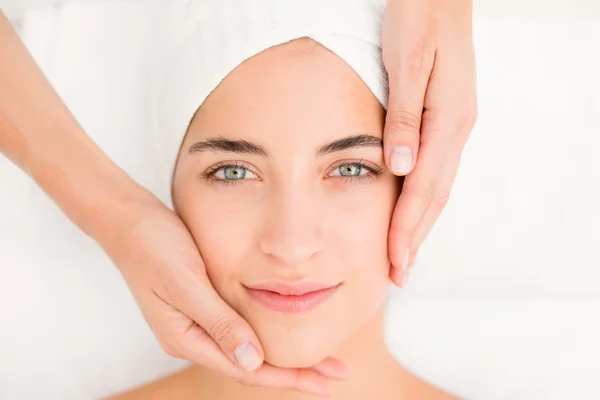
(428, 53)
(148, 242)
(163, 268)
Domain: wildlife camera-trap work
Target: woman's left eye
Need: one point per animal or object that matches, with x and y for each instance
(349, 170)
(234, 173)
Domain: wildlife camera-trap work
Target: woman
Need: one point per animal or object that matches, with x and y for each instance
(122, 217)
(281, 180)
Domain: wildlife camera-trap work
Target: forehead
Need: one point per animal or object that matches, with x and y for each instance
(298, 93)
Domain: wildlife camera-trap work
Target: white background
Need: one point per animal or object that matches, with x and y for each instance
(505, 299)
(515, 8)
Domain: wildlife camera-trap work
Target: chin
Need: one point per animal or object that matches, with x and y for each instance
(297, 346)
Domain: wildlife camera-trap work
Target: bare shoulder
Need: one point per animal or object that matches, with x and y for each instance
(171, 387)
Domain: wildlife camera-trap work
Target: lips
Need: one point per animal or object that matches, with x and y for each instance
(292, 298)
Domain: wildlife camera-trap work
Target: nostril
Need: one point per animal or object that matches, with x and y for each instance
(292, 234)
(291, 250)
(292, 256)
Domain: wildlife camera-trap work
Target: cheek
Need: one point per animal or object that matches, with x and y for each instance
(361, 244)
(361, 225)
(221, 232)
(365, 244)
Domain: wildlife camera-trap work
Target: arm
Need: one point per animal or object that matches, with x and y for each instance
(39, 134)
(149, 244)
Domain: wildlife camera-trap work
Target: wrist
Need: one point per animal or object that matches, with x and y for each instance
(86, 184)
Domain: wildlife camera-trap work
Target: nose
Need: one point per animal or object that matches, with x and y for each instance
(292, 233)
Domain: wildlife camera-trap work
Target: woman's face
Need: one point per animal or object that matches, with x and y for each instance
(282, 183)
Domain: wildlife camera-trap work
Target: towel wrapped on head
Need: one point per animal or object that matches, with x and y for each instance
(204, 41)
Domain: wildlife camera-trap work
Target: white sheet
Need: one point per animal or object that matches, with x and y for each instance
(504, 302)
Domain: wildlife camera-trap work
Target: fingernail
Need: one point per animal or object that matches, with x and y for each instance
(405, 261)
(324, 391)
(340, 372)
(247, 356)
(401, 159)
(344, 373)
(394, 276)
(404, 279)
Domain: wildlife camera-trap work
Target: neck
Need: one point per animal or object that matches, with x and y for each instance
(364, 354)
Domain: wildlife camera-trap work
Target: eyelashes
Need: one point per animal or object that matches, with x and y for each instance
(211, 173)
(371, 171)
(219, 173)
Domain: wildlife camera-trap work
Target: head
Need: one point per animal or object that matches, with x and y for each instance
(281, 178)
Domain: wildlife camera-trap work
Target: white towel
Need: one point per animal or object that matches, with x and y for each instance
(503, 303)
(205, 40)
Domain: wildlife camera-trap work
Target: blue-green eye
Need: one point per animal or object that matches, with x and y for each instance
(233, 173)
(349, 170)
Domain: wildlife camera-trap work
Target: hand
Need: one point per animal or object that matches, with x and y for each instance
(160, 262)
(428, 53)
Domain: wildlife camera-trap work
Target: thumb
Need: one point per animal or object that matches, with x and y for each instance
(401, 135)
(226, 327)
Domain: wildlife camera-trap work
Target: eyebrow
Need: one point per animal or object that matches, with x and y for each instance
(351, 142)
(221, 144)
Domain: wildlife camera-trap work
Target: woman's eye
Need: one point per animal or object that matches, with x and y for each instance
(234, 173)
(349, 170)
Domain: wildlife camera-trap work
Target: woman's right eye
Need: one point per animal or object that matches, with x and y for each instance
(234, 173)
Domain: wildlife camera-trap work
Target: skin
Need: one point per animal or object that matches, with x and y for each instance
(377, 376)
(428, 54)
(292, 216)
(296, 217)
(427, 48)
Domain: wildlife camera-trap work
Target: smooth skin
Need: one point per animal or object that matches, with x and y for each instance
(428, 53)
(283, 214)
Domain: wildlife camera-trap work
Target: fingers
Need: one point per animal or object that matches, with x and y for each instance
(332, 368)
(431, 204)
(408, 71)
(436, 205)
(418, 191)
(402, 126)
(227, 328)
(233, 335)
(413, 257)
(197, 346)
(431, 108)
(399, 276)
(314, 380)
(449, 115)
(299, 379)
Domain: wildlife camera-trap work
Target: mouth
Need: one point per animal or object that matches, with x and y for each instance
(296, 298)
